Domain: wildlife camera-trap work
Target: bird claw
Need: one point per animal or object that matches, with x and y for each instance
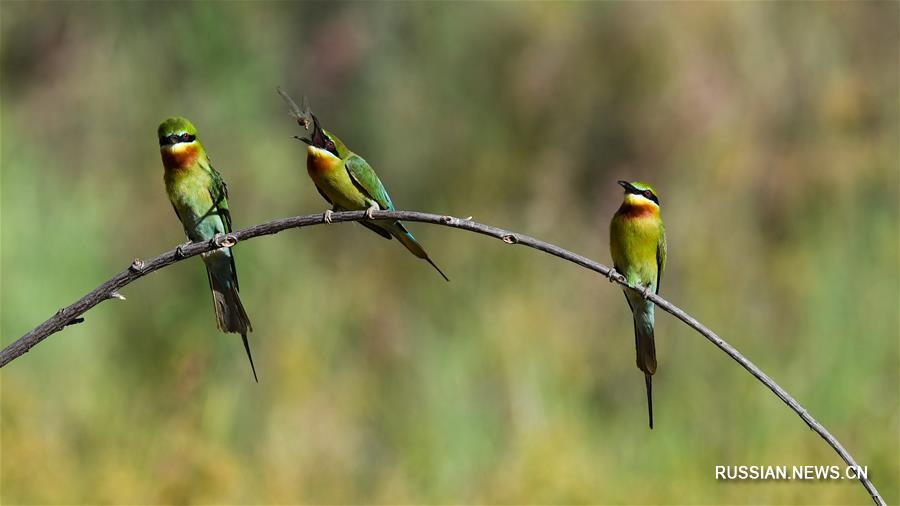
(179, 250)
(224, 240)
(612, 275)
(645, 293)
(370, 212)
(326, 217)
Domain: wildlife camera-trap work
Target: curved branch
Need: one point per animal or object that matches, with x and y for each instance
(139, 269)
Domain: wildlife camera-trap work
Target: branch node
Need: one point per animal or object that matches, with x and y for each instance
(510, 239)
(74, 321)
(447, 219)
(179, 250)
(137, 265)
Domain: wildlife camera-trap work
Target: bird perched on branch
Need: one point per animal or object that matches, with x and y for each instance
(200, 199)
(348, 182)
(637, 241)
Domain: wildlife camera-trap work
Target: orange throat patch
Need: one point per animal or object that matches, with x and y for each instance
(638, 210)
(179, 156)
(319, 161)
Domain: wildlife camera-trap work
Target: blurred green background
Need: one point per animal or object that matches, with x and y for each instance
(769, 130)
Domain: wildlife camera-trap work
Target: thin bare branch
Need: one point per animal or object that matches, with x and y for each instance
(140, 268)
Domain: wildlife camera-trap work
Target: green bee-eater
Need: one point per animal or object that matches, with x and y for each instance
(200, 199)
(349, 183)
(637, 241)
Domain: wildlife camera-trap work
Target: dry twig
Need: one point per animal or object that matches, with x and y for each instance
(140, 268)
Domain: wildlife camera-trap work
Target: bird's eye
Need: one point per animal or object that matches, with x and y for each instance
(186, 137)
(648, 194)
(329, 145)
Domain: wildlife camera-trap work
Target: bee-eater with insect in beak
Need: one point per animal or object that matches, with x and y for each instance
(200, 199)
(348, 182)
(637, 241)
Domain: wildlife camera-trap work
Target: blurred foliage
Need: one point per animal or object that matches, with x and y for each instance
(770, 131)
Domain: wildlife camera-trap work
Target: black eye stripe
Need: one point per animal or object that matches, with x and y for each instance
(646, 194)
(329, 145)
(176, 138)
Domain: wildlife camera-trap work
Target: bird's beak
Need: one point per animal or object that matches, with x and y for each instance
(628, 186)
(304, 139)
(168, 141)
(317, 138)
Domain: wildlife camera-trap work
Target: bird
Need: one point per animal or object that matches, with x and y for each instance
(347, 182)
(637, 242)
(200, 199)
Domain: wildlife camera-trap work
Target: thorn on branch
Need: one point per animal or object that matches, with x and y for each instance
(116, 295)
(179, 250)
(73, 321)
(137, 265)
(510, 239)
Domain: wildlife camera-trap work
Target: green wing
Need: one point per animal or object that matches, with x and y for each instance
(218, 191)
(367, 182)
(660, 256)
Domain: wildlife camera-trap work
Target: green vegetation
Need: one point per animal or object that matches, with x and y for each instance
(770, 131)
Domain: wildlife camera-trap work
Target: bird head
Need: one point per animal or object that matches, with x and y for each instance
(178, 142)
(176, 130)
(640, 194)
(322, 143)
